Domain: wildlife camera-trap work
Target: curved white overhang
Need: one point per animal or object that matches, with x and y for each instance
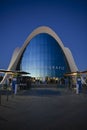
(37, 31)
(70, 60)
(44, 29)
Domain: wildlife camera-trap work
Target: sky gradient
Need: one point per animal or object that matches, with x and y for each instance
(68, 18)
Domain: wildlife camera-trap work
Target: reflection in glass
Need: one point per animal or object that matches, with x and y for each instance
(43, 57)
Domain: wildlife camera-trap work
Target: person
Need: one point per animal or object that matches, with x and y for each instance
(78, 85)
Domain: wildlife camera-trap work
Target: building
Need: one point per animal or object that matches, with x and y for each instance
(43, 55)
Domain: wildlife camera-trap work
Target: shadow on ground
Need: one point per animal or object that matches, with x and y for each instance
(40, 92)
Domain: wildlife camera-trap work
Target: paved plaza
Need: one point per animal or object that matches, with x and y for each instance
(44, 109)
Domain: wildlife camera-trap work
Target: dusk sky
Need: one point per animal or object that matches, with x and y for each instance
(68, 18)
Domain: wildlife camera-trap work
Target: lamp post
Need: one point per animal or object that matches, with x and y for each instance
(0, 98)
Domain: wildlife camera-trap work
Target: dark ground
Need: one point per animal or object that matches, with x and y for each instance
(44, 109)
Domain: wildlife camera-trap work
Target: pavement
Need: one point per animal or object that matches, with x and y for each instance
(44, 109)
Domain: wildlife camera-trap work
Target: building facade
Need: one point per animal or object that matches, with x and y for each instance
(43, 55)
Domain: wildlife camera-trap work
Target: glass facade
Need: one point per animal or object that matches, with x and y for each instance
(43, 57)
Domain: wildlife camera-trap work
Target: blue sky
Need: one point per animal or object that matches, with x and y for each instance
(68, 18)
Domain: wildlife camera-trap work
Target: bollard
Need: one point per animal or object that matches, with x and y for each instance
(77, 89)
(7, 93)
(15, 89)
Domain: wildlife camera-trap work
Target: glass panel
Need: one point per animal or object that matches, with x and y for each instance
(44, 57)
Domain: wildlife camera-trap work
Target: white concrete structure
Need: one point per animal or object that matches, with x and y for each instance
(43, 29)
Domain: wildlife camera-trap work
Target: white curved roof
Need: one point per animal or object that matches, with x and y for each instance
(42, 29)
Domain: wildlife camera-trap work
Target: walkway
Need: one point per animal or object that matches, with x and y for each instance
(44, 109)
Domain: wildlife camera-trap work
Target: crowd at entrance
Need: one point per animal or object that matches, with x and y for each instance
(25, 82)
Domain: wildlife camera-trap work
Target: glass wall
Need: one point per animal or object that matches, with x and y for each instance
(43, 57)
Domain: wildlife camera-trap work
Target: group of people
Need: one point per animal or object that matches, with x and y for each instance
(76, 82)
(16, 83)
